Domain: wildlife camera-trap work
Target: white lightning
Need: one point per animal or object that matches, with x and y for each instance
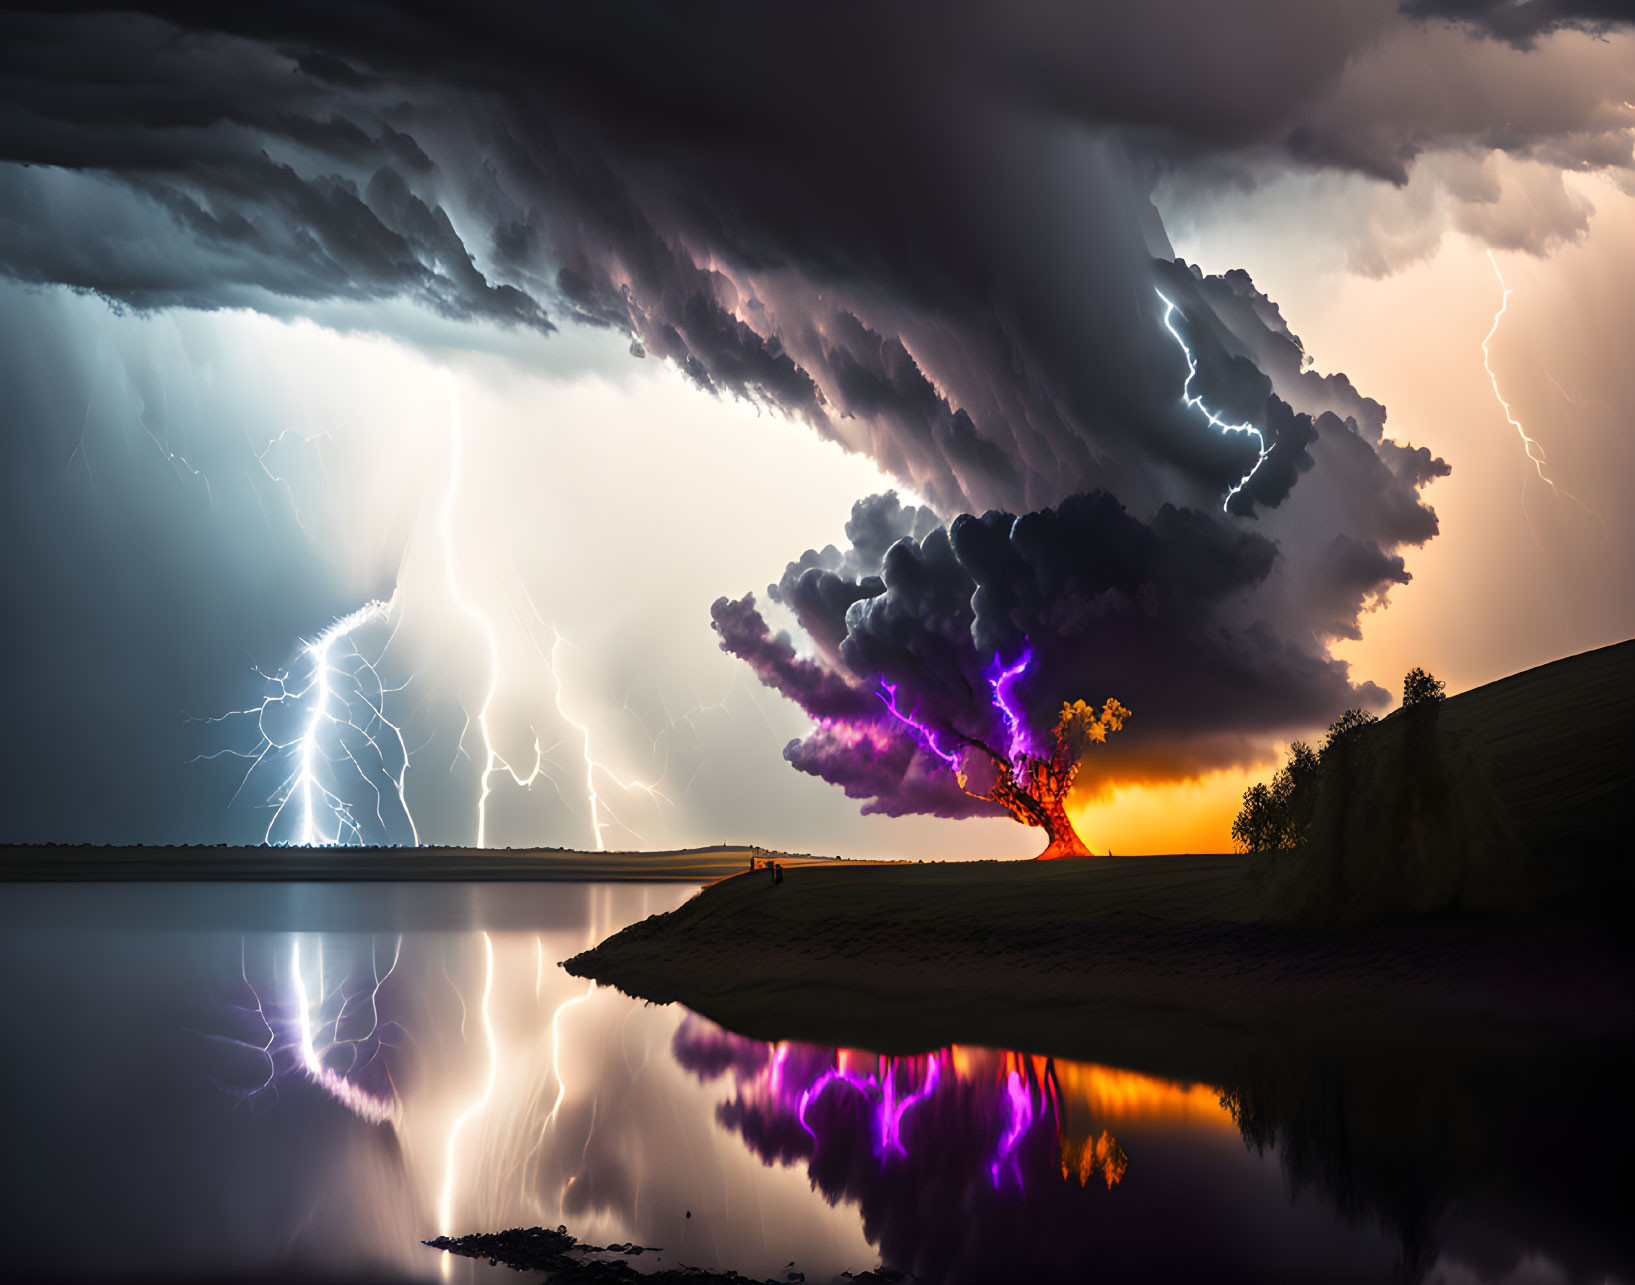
(1197, 404)
(1582, 403)
(492, 759)
(1530, 446)
(348, 1093)
(673, 724)
(278, 479)
(445, 1208)
(177, 461)
(601, 815)
(333, 684)
(594, 766)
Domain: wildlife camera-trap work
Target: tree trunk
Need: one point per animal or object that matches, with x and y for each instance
(1064, 839)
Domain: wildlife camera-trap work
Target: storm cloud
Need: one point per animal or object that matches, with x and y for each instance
(1520, 21)
(926, 231)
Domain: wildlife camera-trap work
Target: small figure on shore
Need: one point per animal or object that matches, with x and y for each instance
(777, 872)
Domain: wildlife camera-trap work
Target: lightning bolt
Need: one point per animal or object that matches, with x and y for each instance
(880, 1091)
(1530, 446)
(493, 761)
(1019, 1101)
(1579, 402)
(266, 1048)
(350, 1094)
(997, 677)
(594, 766)
(674, 723)
(921, 733)
(177, 461)
(279, 479)
(335, 682)
(1197, 404)
(303, 1037)
(445, 1207)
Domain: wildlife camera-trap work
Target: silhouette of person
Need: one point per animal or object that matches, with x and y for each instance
(777, 872)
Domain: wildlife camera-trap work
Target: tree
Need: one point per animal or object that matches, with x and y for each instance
(1294, 796)
(1340, 730)
(1278, 816)
(1419, 688)
(1033, 788)
(1253, 824)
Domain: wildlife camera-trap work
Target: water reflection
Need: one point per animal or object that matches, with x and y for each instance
(282, 1082)
(1020, 1120)
(973, 1164)
(507, 1091)
(456, 1045)
(1453, 1162)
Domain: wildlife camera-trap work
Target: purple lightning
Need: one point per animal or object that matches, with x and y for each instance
(881, 1092)
(1021, 1113)
(891, 1122)
(997, 677)
(922, 733)
(807, 1098)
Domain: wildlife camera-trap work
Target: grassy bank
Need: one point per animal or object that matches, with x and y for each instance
(1145, 961)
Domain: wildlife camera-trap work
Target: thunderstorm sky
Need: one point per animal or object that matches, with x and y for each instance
(552, 331)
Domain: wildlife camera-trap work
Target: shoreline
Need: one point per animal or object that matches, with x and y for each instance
(87, 863)
(1156, 962)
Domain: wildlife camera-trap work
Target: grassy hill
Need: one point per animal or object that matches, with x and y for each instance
(1503, 798)
(1562, 740)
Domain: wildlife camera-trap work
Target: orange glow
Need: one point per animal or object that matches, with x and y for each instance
(1138, 818)
(1113, 1096)
(1098, 1157)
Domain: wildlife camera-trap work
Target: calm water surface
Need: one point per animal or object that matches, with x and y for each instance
(308, 1080)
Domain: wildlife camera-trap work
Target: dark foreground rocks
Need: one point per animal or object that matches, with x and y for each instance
(563, 1259)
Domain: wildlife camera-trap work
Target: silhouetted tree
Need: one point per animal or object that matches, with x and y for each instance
(1419, 688)
(1294, 794)
(1252, 827)
(1342, 728)
(1278, 815)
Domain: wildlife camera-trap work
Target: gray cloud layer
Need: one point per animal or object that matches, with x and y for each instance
(925, 230)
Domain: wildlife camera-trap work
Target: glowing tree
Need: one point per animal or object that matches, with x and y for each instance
(1033, 787)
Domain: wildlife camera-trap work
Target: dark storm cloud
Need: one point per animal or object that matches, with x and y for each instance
(888, 222)
(1152, 613)
(258, 235)
(1520, 21)
(821, 584)
(923, 229)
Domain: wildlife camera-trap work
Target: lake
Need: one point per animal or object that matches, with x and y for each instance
(302, 1080)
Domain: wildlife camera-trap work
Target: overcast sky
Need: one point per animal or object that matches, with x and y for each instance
(550, 332)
